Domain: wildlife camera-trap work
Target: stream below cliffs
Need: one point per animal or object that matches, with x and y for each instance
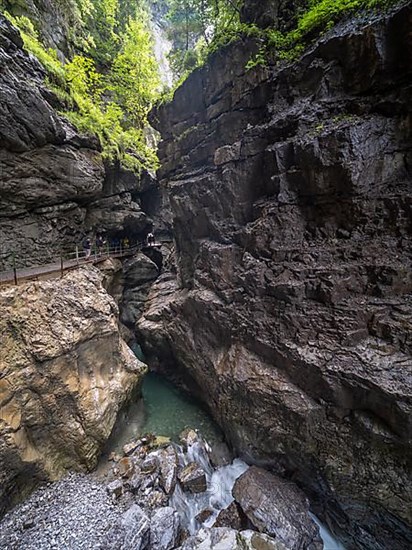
(166, 413)
(162, 411)
(167, 480)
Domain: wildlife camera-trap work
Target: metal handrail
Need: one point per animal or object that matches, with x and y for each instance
(67, 258)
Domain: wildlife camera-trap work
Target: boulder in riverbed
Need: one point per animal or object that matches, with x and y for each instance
(132, 532)
(232, 517)
(223, 538)
(188, 438)
(164, 529)
(126, 467)
(168, 463)
(149, 465)
(278, 508)
(115, 489)
(193, 478)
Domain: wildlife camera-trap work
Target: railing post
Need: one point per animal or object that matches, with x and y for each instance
(61, 264)
(14, 269)
(77, 254)
(120, 248)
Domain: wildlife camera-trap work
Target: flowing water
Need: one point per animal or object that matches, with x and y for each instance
(162, 47)
(219, 488)
(165, 411)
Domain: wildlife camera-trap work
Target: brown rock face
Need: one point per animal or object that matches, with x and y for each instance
(64, 374)
(193, 478)
(291, 196)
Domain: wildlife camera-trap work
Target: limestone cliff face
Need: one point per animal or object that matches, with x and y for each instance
(53, 183)
(290, 190)
(65, 374)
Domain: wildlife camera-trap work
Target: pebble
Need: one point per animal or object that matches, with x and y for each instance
(73, 514)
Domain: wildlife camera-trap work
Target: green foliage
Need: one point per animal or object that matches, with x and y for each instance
(134, 78)
(47, 57)
(112, 105)
(199, 27)
(321, 16)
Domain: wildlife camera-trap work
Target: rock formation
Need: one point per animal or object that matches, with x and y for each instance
(65, 374)
(290, 190)
(278, 508)
(54, 185)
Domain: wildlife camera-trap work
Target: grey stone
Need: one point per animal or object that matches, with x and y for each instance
(223, 538)
(168, 464)
(115, 488)
(278, 508)
(164, 529)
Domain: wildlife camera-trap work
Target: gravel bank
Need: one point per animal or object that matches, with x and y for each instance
(74, 513)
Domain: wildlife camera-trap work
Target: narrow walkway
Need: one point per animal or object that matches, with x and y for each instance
(61, 265)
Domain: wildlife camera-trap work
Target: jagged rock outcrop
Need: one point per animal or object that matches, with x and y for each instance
(53, 184)
(65, 374)
(290, 188)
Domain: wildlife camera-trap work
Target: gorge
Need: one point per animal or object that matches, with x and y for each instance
(278, 294)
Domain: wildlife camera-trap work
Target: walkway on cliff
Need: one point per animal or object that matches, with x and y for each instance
(65, 261)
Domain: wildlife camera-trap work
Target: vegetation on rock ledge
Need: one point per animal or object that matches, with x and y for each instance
(109, 86)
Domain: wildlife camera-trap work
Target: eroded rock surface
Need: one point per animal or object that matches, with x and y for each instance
(53, 184)
(290, 189)
(65, 374)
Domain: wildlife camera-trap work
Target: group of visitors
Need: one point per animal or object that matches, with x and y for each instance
(116, 244)
(100, 244)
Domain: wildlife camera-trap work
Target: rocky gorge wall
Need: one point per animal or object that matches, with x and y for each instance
(54, 185)
(290, 191)
(65, 374)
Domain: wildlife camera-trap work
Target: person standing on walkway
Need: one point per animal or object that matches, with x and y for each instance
(99, 244)
(150, 239)
(87, 248)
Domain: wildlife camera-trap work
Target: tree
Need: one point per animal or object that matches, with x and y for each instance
(134, 78)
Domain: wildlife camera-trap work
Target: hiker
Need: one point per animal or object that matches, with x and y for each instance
(150, 239)
(87, 248)
(115, 244)
(100, 242)
(126, 242)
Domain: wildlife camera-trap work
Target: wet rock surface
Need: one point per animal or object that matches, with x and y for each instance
(219, 538)
(193, 478)
(232, 516)
(290, 189)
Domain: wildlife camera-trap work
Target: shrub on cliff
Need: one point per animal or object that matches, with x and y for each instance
(111, 102)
